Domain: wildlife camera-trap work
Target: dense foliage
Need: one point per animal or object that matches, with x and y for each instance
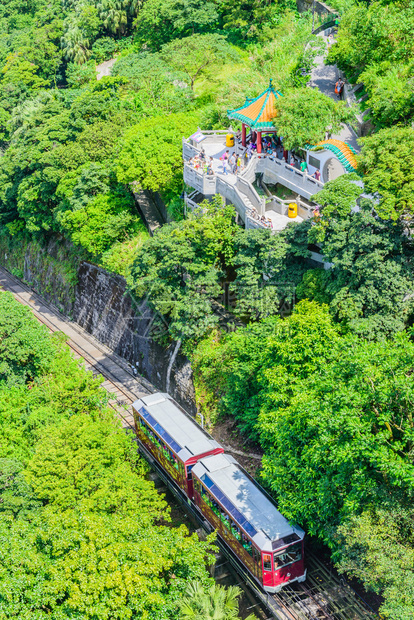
(191, 271)
(333, 414)
(73, 144)
(305, 116)
(217, 603)
(325, 389)
(370, 289)
(83, 532)
(375, 47)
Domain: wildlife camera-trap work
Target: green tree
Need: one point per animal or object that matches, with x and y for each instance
(377, 546)
(17, 498)
(155, 86)
(152, 165)
(25, 350)
(180, 269)
(84, 565)
(371, 34)
(387, 163)
(91, 464)
(92, 537)
(19, 70)
(391, 93)
(159, 22)
(260, 266)
(375, 47)
(350, 434)
(198, 54)
(370, 285)
(215, 603)
(304, 115)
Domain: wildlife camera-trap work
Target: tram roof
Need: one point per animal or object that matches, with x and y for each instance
(179, 431)
(250, 506)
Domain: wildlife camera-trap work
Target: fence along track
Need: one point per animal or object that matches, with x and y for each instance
(323, 596)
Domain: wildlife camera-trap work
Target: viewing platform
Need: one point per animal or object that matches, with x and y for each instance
(263, 162)
(255, 211)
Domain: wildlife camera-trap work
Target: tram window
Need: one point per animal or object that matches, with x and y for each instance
(247, 544)
(225, 518)
(235, 530)
(215, 506)
(189, 474)
(170, 456)
(289, 555)
(256, 555)
(267, 561)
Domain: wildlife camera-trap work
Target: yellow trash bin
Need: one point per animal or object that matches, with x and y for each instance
(229, 139)
(292, 210)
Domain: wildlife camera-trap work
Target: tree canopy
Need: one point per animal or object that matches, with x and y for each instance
(333, 416)
(305, 115)
(386, 162)
(375, 47)
(370, 286)
(83, 533)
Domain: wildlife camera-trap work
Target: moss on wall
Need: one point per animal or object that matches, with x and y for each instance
(50, 269)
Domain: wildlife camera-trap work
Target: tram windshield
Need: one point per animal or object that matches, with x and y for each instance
(288, 556)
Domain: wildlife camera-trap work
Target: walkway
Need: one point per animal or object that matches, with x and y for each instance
(104, 69)
(325, 77)
(148, 210)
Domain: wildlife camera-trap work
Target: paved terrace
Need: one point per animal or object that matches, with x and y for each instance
(254, 210)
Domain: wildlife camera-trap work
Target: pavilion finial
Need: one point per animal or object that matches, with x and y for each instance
(270, 83)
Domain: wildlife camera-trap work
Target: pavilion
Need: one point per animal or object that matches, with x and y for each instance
(257, 114)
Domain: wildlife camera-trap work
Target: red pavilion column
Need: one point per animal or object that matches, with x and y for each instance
(259, 141)
(243, 134)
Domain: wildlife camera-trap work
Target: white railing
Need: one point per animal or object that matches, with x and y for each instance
(249, 173)
(279, 171)
(233, 195)
(189, 150)
(251, 223)
(254, 222)
(248, 190)
(204, 183)
(190, 203)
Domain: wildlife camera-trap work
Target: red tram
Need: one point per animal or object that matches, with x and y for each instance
(245, 517)
(172, 437)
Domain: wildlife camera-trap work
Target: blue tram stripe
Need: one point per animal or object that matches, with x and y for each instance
(160, 430)
(232, 510)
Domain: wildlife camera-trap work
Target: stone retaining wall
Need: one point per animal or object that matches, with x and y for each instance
(105, 309)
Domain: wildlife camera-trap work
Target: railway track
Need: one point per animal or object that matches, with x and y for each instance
(119, 381)
(323, 596)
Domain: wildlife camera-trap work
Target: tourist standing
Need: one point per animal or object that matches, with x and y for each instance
(238, 164)
(303, 166)
(339, 86)
(317, 175)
